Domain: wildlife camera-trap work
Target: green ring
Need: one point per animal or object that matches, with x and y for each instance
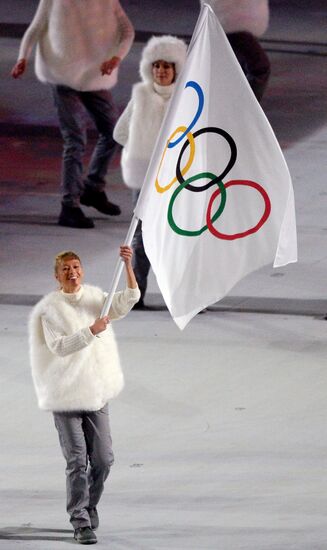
(198, 232)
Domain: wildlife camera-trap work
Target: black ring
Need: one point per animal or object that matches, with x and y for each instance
(229, 166)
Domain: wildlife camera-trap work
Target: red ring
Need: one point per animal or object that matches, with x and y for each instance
(265, 216)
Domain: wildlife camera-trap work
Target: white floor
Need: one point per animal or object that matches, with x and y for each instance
(220, 438)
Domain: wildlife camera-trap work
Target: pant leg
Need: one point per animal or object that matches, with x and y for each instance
(141, 264)
(99, 446)
(253, 60)
(74, 449)
(100, 107)
(71, 115)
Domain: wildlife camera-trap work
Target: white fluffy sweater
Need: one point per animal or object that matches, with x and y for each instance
(73, 38)
(242, 15)
(73, 370)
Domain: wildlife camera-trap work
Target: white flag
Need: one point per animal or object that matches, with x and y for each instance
(217, 202)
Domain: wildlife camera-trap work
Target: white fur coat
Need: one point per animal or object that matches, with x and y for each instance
(73, 39)
(69, 380)
(137, 130)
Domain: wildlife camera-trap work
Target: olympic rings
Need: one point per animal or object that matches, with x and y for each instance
(190, 140)
(214, 180)
(254, 229)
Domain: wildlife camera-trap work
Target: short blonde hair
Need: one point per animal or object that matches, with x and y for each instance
(65, 255)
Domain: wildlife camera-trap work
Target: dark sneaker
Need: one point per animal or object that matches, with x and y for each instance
(72, 216)
(94, 518)
(98, 199)
(85, 535)
(139, 305)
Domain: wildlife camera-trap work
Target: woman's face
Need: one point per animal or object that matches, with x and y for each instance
(163, 72)
(70, 275)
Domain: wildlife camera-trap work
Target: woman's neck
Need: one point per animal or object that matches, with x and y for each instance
(164, 91)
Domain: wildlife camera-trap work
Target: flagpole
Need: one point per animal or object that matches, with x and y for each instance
(119, 268)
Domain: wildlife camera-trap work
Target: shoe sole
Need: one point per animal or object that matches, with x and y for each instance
(91, 541)
(115, 212)
(66, 224)
(102, 211)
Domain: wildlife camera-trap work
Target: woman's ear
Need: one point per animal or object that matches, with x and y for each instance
(57, 279)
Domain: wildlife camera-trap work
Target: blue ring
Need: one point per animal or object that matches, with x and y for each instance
(198, 89)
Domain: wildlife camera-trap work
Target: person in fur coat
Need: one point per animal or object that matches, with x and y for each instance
(79, 47)
(75, 372)
(138, 126)
(244, 21)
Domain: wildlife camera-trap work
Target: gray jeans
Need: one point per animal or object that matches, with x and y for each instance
(84, 438)
(72, 107)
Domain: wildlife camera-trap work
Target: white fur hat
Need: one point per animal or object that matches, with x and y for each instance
(167, 48)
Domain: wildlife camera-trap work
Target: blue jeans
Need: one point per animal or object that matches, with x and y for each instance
(72, 106)
(141, 264)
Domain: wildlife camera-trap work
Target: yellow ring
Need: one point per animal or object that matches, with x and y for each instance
(162, 189)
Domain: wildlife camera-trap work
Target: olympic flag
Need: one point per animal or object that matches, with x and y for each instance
(217, 202)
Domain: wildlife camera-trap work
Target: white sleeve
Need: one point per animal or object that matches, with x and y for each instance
(62, 344)
(34, 30)
(126, 32)
(122, 302)
(121, 130)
